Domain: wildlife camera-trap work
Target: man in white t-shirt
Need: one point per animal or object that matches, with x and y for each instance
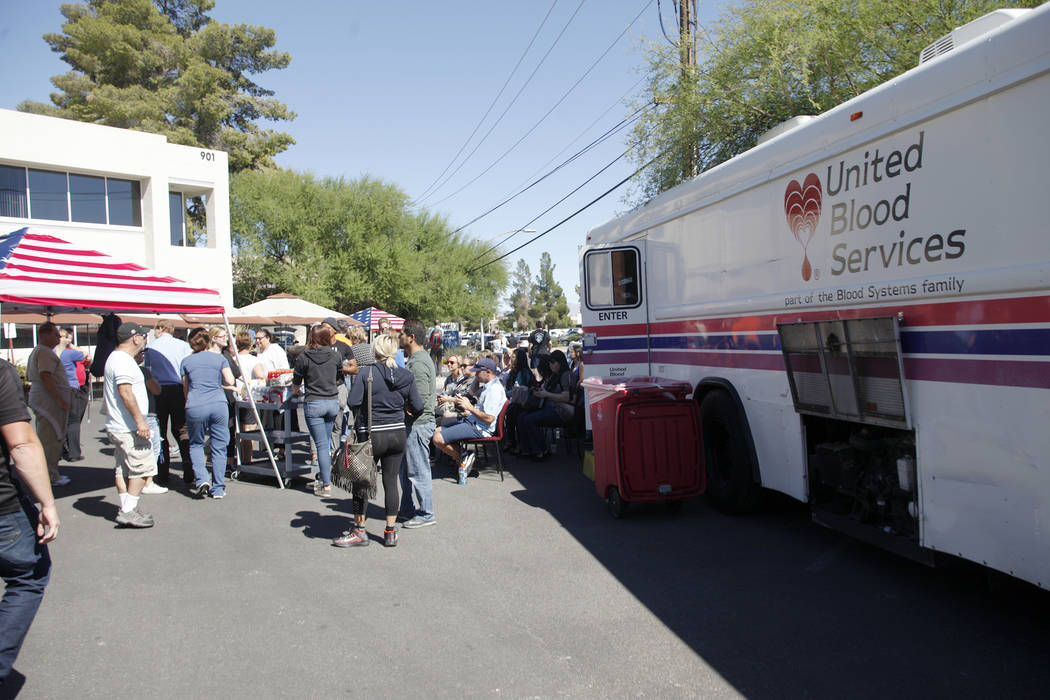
(124, 392)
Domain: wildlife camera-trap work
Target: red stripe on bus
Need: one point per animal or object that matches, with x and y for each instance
(984, 311)
(998, 372)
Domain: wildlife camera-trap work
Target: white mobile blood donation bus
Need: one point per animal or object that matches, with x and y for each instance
(862, 303)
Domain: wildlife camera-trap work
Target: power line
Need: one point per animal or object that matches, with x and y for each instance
(604, 137)
(551, 110)
(494, 100)
(660, 14)
(508, 107)
(515, 232)
(590, 126)
(574, 214)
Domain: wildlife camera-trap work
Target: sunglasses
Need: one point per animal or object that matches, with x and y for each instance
(451, 362)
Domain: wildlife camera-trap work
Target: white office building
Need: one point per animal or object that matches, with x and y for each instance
(126, 193)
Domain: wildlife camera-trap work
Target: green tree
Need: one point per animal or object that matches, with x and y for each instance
(765, 61)
(520, 298)
(352, 244)
(549, 304)
(167, 68)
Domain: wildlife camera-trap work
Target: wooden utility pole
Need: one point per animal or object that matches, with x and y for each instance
(687, 51)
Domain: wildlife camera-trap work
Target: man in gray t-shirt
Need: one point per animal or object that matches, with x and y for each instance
(415, 468)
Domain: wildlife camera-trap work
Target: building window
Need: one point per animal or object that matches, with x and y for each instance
(13, 192)
(87, 199)
(59, 196)
(48, 198)
(176, 216)
(124, 197)
(189, 220)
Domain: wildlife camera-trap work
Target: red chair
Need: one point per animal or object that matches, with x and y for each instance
(496, 438)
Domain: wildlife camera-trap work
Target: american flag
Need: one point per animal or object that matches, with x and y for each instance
(40, 270)
(370, 317)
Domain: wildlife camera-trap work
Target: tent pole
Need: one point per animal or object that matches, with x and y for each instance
(255, 411)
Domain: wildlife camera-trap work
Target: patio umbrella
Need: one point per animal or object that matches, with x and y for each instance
(288, 309)
(370, 318)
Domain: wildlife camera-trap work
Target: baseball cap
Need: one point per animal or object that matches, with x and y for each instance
(331, 322)
(485, 363)
(129, 329)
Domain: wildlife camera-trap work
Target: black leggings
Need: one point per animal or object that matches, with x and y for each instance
(388, 446)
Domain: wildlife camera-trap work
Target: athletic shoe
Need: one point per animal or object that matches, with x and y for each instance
(322, 491)
(134, 518)
(154, 488)
(420, 521)
(390, 537)
(204, 490)
(62, 480)
(217, 496)
(358, 537)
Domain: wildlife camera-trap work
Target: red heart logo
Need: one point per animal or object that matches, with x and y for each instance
(802, 207)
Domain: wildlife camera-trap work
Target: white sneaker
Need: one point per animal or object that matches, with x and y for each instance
(154, 489)
(62, 480)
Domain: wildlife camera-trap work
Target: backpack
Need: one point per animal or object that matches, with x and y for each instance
(435, 338)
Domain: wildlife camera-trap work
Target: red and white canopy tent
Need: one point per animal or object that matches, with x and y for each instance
(43, 273)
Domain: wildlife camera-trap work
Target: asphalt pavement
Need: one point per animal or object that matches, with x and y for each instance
(525, 588)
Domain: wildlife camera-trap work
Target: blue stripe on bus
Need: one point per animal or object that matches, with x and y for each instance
(1027, 341)
(913, 342)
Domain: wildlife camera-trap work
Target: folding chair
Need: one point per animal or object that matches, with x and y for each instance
(496, 438)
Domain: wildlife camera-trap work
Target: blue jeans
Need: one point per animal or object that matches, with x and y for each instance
(417, 488)
(25, 567)
(320, 419)
(531, 438)
(211, 419)
(154, 429)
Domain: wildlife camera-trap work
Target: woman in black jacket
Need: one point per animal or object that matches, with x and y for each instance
(317, 368)
(393, 391)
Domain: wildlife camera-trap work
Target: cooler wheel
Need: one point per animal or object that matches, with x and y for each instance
(617, 505)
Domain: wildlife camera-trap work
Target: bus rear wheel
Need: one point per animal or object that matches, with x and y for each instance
(731, 486)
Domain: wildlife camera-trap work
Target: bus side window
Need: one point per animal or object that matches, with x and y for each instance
(612, 278)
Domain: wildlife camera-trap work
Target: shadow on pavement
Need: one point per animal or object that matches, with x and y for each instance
(96, 507)
(783, 608)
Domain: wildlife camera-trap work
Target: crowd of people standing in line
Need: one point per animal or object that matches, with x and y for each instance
(385, 390)
(189, 391)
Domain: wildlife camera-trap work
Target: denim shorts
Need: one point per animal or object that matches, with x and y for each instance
(463, 430)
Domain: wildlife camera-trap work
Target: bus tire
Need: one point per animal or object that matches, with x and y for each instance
(730, 467)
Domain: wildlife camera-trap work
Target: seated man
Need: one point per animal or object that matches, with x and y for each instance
(480, 421)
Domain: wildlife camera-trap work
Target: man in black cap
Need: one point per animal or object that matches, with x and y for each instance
(124, 391)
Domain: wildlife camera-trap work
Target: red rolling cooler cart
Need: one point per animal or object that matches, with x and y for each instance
(647, 440)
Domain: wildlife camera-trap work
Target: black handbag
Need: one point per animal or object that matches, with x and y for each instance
(353, 466)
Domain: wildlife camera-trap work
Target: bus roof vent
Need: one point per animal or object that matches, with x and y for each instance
(784, 127)
(968, 32)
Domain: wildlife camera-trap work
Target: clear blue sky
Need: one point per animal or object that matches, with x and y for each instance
(393, 89)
